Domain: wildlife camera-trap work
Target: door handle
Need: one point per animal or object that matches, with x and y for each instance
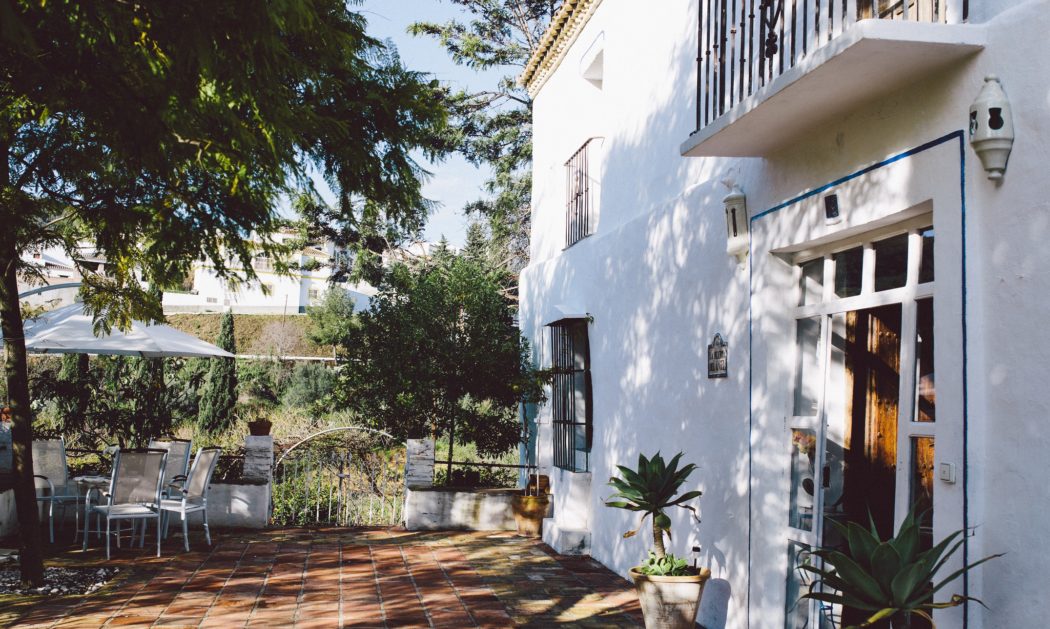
(825, 477)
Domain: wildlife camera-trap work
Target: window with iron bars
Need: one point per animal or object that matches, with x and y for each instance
(571, 395)
(578, 219)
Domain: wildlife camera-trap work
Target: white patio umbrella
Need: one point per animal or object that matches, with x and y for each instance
(69, 330)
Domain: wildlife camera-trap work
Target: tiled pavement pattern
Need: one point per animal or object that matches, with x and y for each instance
(341, 578)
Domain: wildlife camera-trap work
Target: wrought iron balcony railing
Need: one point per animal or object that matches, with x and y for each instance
(746, 44)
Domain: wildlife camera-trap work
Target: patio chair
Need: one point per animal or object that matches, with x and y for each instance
(192, 496)
(134, 492)
(175, 469)
(51, 475)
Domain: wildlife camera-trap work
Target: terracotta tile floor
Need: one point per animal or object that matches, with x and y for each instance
(340, 578)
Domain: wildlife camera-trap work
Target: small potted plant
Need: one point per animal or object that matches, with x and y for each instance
(885, 584)
(669, 589)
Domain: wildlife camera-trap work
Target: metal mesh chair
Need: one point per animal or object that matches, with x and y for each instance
(51, 475)
(178, 458)
(134, 491)
(193, 495)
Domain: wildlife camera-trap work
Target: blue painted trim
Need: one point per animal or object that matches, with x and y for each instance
(954, 135)
(965, 387)
(863, 171)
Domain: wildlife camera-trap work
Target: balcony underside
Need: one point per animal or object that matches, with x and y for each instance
(871, 59)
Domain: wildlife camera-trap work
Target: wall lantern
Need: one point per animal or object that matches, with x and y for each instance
(992, 127)
(737, 224)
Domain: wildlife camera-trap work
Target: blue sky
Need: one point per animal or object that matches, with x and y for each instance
(454, 182)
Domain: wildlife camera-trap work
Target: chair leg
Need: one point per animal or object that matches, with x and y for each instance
(142, 538)
(158, 533)
(87, 526)
(51, 519)
(107, 535)
(207, 533)
(185, 533)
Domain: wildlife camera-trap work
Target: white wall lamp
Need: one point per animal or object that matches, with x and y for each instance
(737, 224)
(992, 127)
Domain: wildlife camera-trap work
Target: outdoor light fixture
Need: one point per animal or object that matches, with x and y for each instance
(992, 127)
(736, 223)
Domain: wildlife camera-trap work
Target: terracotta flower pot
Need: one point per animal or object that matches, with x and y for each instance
(259, 427)
(670, 602)
(529, 512)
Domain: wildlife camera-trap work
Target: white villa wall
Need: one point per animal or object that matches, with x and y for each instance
(659, 285)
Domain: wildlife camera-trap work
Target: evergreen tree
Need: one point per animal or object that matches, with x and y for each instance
(220, 389)
(167, 132)
(494, 127)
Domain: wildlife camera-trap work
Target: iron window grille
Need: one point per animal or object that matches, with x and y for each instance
(578, 220)
(571, 395)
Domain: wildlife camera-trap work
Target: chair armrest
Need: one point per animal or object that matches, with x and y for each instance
(50, 485)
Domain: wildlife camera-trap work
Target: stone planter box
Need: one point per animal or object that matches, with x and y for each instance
(451, 508)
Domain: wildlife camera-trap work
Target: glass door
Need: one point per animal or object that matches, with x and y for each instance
(859, 448)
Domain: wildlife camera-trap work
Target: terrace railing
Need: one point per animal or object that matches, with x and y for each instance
(746, 44)
(340, 477)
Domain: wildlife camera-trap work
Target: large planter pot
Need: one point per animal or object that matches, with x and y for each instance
(529, 512)
(670, 602)
(259, 427)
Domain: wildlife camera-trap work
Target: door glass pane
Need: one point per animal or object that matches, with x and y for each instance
(807, 372)
(925, 395)
(849, 267)
(796, 614)
(803, 480)
(922, 486)
(812, 288)
(926, 260)
(891, 262)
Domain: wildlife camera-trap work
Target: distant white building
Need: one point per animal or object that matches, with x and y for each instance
(273, 293)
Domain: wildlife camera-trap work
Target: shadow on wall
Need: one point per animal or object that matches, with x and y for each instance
(660, 285)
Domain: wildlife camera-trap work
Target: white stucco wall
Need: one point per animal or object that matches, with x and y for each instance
(659, 285)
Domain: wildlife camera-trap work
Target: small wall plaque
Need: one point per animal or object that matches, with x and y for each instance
(717, 358)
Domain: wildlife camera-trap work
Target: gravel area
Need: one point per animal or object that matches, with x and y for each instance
(57, 581)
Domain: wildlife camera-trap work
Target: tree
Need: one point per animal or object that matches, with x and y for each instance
(220, 389)
(494, 127)
(162, 133)
(438, 353)
(333, 319)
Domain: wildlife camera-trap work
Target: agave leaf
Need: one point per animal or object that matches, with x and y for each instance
(861, 583)
(963, 570)
(879, 615)
(839, 599)
(907, 541)
(687, 496)
(945, 558)
(885, 564)
(623, 505)
(861, 542)
(903, 586)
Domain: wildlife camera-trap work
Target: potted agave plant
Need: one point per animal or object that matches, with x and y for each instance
(885, 584)
(669, 589)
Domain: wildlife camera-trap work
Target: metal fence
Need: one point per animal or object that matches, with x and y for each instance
(341, 477)
(745, 44)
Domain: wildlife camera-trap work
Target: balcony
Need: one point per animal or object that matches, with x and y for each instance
(771, 70)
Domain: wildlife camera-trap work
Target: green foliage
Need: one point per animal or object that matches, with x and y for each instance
(666, 566)
(886, 580)
(651, 489)
(332, 321)
(309, 385)
(220, 389)
(494, 127)
(129, 400)
(438, 353)
(166, 132)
